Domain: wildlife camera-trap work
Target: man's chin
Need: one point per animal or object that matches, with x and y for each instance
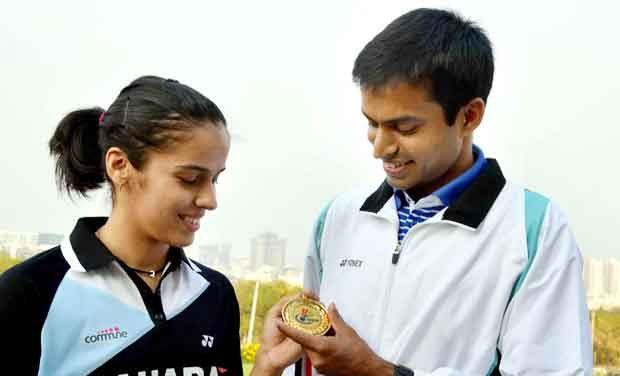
(401, 184)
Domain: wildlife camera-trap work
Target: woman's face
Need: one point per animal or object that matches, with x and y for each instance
(177, 185)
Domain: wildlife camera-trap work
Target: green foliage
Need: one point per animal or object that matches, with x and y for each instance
(7, 261)
(248, 352)
(268, 295)
(247, 368)
(607, 338)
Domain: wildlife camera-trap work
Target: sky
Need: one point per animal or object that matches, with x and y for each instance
(281, 73)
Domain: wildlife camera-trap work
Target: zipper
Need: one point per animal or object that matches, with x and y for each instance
(396, 253)
(395, 257)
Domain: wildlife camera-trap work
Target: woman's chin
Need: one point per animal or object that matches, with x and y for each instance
(182, 241)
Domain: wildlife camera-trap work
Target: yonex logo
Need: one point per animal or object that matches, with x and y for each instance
(106, 335)
(351, 263)
(207, 341)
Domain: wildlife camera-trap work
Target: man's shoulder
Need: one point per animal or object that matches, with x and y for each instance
(351, 201)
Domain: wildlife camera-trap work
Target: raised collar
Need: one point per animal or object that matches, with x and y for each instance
(85, 252)
(469, 208)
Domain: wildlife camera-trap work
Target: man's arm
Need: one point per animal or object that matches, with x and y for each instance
(546, 325)
(344, 353)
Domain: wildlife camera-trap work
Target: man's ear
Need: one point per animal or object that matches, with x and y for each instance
(471, 115)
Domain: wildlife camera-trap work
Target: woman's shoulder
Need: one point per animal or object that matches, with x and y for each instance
(34, 274)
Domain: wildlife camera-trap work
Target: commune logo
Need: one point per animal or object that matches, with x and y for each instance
(106, 335)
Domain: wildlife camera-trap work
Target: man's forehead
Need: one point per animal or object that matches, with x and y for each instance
(399, 98)
(421, 88)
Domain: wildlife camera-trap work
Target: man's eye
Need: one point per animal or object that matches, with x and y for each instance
(372, 124)
(189, 181)
(407, 128)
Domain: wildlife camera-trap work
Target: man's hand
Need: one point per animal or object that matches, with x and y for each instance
(345, 353)
(276, 351)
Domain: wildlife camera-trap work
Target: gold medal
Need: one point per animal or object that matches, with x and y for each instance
(307, 315)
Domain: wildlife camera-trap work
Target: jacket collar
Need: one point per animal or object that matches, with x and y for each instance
(469, 208)
(85, 252)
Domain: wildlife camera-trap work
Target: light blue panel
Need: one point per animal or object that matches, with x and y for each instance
(535, 209)
(318, 235)
(79, 311)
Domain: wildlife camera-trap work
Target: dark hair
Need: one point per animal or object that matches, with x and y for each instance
(451, 56)
(145, 115)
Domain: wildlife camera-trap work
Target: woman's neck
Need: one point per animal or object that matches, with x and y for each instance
(122, 236)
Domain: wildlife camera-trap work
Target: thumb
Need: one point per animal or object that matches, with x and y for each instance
(337, 321)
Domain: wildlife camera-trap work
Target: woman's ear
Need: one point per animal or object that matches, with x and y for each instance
(117, 166)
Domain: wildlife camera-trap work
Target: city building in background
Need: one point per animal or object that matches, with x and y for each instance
(602, 281)
(23, 245)
(267, 249)
(216, 256)
(267, 262)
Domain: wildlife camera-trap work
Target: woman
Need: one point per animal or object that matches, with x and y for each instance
(119, 296)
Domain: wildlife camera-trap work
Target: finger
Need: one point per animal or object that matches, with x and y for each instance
(336, 320)
(310, 294)
(306, 340)
(275, 311)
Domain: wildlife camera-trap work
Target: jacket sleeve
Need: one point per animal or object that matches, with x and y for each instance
(546, 325)
(313, 267)
(545, 329)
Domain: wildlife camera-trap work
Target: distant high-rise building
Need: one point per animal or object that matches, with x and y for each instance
(27, 243)
(612, 277)
(207, 254)
(12, 237)
(268, 249)
(215, 255)
(594, 277)
(49, 240)
(225, 254)
(24, 245)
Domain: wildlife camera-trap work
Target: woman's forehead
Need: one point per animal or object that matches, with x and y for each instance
(198, 148)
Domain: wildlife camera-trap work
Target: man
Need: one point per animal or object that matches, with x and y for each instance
(446, 268)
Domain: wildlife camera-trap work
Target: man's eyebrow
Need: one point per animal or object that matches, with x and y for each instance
(396, 120)
(193, 168)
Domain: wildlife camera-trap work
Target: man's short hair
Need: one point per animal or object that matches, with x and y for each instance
(436, 48)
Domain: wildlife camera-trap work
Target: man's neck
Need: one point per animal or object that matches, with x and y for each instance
(464, 161)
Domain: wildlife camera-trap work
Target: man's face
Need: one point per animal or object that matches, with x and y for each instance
(410, 135)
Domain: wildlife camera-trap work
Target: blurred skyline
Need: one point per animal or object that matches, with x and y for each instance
(281, 73)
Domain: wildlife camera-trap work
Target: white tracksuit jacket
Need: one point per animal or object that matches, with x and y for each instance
(491, 284)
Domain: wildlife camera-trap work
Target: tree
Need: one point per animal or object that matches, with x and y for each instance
(6, 261)
(607, 338)
(268, 295)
